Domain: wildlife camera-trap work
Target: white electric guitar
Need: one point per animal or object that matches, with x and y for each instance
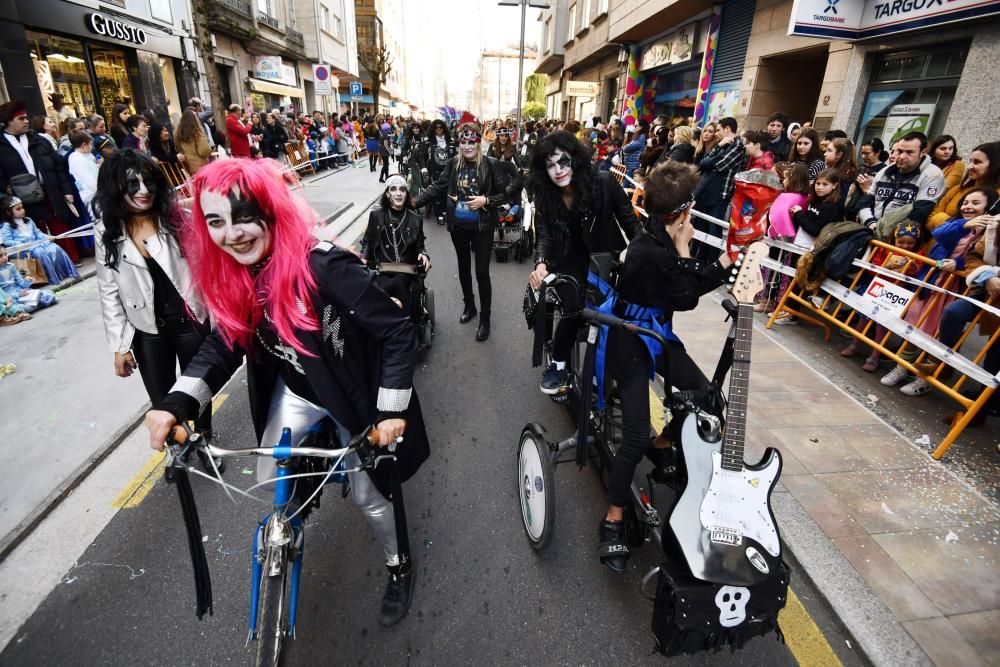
(723, 520)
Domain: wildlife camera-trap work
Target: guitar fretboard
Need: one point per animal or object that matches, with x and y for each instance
(739, 391)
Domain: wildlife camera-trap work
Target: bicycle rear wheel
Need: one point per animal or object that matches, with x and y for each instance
(272, 617)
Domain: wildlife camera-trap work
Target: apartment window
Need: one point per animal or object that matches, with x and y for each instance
(266, 7)
(584, 15)
(338, 27)
(571, 28)
(160, 9)
(546, 35)
(602, 7)
(324, 17)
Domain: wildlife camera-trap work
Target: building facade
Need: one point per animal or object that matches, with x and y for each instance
(136, 52)
(330, 39)
(381, 23)
(495, 83)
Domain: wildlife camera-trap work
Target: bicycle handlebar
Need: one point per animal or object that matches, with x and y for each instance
(364, 443)
(592, 315)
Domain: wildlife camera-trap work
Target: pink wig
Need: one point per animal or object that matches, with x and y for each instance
(235, 298)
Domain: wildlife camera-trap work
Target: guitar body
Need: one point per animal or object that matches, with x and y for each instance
(722, 520)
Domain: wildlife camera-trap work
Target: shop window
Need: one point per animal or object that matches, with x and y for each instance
(113, 84)
(911, 91)
(61, 67)
(160, 10)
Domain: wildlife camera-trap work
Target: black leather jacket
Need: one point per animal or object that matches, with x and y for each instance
(411, 234)
(490, 185)
(612, 215)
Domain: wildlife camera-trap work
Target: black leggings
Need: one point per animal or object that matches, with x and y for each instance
(372, 157)
(628, 364)
(385, 168)
(564, 336)
(467, 241)
(157, 355)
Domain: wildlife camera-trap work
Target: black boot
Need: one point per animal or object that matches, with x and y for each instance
(398, 590)
(468, 314)
(613, 549)
(483, 332)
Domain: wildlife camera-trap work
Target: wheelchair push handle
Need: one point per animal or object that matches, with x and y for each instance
(610, 320)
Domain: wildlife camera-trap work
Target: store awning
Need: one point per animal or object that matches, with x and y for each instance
(275, 88)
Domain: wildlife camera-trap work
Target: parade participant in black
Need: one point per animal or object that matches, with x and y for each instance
(473, 191)
(578, 212)
(153, 319)
(319, 338)
(395, 234)
(413, 154)
(658, 278)
(508, 162)
(440, 151)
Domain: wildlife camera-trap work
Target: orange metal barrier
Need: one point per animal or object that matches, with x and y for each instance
(618, 172)
(834, 312)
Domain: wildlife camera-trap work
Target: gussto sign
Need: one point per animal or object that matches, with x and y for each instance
(110, 27)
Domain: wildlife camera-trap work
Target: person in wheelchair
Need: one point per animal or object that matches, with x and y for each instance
(658, 277)
(578, 212)
(395, 235)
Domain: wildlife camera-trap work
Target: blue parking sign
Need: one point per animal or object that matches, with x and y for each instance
(356, 88)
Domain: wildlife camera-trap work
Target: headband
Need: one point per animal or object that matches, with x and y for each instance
(681, 208)
(396, 180)
(470, 135)
(14, 201)
(908, 229)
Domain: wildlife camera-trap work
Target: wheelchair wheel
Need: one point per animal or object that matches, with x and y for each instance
(535, 489)
(428, 327)
(502, 255)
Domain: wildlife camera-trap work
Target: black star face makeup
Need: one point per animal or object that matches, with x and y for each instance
(560, 168)
(140, 191)
(236, 224)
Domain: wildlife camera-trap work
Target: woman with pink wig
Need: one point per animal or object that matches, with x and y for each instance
(319, 338)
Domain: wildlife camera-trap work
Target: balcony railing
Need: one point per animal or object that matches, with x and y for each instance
(268, 20)
(295, 36)
(239, 6)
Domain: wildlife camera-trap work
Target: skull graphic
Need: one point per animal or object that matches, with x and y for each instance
(732, 603)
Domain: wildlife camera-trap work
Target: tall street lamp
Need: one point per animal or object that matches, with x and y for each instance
(538, 4)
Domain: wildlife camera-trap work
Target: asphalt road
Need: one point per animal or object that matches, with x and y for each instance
(482, 596)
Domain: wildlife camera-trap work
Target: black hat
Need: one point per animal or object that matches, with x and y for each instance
(13, 109)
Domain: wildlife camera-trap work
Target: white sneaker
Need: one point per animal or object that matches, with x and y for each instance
(817, 301)
(895, 376)
(786, 318)
(916, 388)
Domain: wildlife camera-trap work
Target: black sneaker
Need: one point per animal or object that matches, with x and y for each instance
(554, 381)
(398, 590)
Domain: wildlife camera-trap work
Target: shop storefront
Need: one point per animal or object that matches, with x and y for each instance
(96, 59)
(274, 85)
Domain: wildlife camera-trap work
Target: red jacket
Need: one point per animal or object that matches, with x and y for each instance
(239, 144)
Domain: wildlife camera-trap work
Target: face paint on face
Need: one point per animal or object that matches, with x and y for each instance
(235, 224)
(18, 212)
(469, 149)
(397, 196)
(140, 191)
(560, 168)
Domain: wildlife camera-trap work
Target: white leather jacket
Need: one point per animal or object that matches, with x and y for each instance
(127, 294)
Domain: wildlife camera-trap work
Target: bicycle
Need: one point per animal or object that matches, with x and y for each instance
(279, 540)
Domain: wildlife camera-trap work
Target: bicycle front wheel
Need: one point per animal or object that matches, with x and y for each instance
(272, 618)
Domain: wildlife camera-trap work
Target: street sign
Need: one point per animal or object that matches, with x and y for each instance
(356, 89)
(323, 80)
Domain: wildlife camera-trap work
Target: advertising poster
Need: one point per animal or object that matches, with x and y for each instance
(722, 103)
(905, 118)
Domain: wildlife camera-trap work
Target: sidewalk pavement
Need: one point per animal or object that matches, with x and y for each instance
(64, 410)
(903, 549)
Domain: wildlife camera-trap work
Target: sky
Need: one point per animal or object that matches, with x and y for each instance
(466, 27)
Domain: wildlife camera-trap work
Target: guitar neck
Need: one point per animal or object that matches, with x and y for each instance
(739, 391)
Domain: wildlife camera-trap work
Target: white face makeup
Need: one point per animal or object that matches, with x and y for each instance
(560, 168)
(397, 196)
(469, 149)
(236, 226)
(139, 197)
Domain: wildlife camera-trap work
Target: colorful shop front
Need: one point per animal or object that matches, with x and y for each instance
(690, 72)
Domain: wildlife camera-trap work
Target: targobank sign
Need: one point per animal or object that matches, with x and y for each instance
(863, 19)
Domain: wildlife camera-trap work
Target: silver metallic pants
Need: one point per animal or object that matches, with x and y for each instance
(292, 411)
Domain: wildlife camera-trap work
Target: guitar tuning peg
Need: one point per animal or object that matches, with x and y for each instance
(741, 255)
(732, 279)
(737, 263)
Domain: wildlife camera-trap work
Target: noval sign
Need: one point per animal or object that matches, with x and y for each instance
(888, 297)
(108, 27)
(862, 19)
